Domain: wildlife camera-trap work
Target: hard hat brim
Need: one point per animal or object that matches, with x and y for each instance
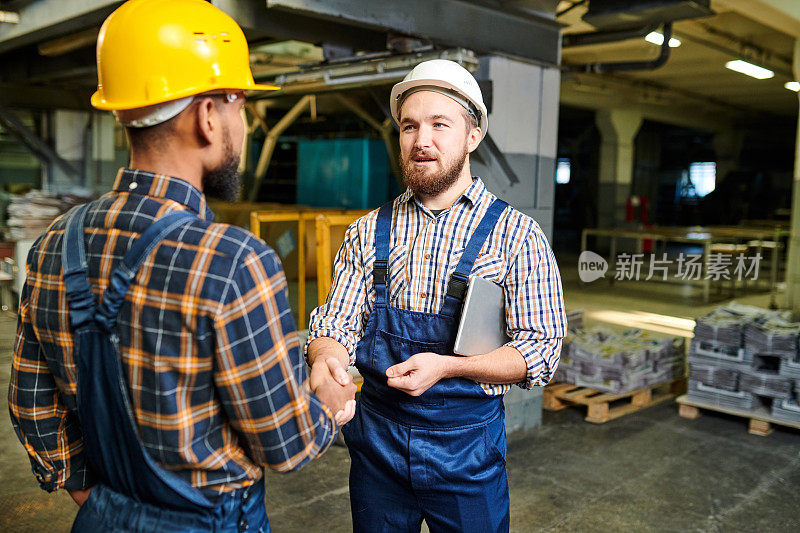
(99, 102)
(404, 86)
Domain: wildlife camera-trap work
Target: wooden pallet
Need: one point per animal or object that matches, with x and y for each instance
(760, 420)
(603, 406)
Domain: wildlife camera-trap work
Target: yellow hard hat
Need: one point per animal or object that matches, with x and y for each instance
(154, 51)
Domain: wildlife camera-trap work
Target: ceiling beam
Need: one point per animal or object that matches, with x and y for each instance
(20, 95)
(46, 19)
(704, 34)
(29, 67)
(259, 23)
(478, 27)
(781, 15)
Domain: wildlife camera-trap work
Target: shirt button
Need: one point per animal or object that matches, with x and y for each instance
(423, 295)
(133, 185)
(427, 256)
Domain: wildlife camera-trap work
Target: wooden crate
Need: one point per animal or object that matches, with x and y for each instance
(603, 406)
(760, 421)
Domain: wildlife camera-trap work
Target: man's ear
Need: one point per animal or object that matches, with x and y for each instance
(207, 122)
(473, 139)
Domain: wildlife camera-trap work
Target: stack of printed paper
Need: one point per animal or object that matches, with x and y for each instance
(760, 370)
(619, 362)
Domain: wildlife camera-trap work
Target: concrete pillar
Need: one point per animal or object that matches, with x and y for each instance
(85, 139)
(727, 147)
(618, 128)
(103, 152)
(793, 256)
(69, 133)
(523, 123)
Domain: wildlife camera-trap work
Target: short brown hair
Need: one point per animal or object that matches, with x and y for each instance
(470, 120)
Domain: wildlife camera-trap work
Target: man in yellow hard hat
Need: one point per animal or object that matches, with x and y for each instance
(157, 369)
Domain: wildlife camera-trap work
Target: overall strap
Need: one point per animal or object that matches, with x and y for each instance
(380, 271)
(123, 275)
(75, 270)
(459, 280)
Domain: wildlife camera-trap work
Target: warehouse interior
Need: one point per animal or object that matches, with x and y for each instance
(655, 142)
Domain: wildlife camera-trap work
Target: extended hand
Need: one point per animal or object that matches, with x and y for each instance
(418, 374)
(334, 386)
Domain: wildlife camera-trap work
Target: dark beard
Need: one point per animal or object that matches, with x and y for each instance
(223, 183)
(416, 180)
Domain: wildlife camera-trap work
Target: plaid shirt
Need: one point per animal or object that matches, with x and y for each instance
(424, 252)
(218, 385)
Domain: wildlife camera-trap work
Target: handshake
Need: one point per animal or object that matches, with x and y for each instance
(334, 386)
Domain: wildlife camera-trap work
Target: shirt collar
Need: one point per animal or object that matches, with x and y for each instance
(163, 186)
(472, 194)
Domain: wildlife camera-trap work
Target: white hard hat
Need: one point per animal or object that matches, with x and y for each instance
(445, 77)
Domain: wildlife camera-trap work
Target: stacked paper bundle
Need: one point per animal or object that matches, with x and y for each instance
(719, 378)
(772, 336)
(788, 410)
(760, 370)
(722, 398)
(719, 328)
(791, 369)
(619, 362)
(30, 214)
(766, 384)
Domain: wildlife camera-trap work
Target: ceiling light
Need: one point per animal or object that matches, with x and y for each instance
(658, 39)
(750, 69)
(9, 16)
(792, 85)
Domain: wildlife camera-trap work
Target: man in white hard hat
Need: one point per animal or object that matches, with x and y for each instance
(428, 438)
(157, 370)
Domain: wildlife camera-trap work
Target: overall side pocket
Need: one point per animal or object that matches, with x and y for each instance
(390, 350)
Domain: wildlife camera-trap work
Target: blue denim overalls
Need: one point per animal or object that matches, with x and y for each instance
(133, 492)
(439, 456)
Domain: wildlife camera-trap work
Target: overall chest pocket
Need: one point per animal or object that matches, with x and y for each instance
(389, 350)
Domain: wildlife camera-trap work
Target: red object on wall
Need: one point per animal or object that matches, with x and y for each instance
(637, 209)
(7, 249)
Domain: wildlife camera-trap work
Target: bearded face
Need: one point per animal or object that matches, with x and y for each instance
(223, 183)
(434, 142)
(429, 173)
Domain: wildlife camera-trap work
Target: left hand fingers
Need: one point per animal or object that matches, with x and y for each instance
(417, 362)
(408, 384)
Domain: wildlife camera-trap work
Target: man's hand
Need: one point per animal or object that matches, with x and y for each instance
(334, 386)
(80, 496)
(419, 373)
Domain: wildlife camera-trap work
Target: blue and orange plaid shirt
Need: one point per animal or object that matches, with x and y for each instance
(423, 253)
(218, 384)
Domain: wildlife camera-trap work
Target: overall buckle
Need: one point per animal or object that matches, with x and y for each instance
(457, 286)
(380, 272)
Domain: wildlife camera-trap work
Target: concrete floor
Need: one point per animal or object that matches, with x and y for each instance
(649, 471)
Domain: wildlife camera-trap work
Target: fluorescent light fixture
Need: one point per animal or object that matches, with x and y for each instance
(658, 39)
(760, 73)
(671, 325)
(9, 16)
(792, 85)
